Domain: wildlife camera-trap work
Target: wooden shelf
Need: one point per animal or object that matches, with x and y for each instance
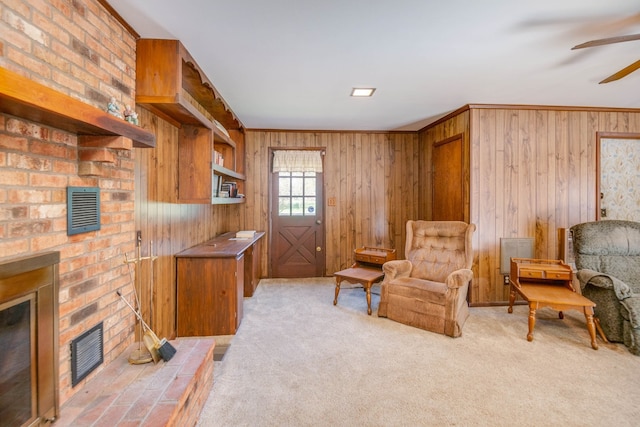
(180, 112)
(221, 138)
(221, 170)
(22, 97)
(170, 84)
(227, 200)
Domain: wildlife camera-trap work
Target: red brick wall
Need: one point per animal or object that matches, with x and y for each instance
(76, 47)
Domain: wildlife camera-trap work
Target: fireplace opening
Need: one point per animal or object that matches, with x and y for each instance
(29, 340)
(17, 402)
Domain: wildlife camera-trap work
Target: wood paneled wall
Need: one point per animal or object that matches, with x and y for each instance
(373, 176)
(533, 170)
(171, 226)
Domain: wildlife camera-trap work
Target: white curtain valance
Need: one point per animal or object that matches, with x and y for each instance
(297, 161)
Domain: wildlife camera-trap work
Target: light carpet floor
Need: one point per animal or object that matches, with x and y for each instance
(298, 360)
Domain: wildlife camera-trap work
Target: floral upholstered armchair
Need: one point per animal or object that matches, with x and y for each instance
(428, 289)
(607, 255)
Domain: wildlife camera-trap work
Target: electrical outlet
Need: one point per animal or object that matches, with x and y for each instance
(331, 201)
(506, 280)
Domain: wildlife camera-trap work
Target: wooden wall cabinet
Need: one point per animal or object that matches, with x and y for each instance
(171, 84)
(198, 175)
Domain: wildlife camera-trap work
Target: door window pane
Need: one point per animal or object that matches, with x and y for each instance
(284, 185)
(297, 193)
(310, 186)
(309, 206)
(297, 186)
(284, 206)
(297, 205)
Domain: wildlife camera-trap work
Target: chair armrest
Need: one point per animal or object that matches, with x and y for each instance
(606, 281)
(633, 309)
(396, 268)
(459, 278)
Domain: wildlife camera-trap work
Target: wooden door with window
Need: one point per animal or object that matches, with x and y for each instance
(297, 225)
(448, 180)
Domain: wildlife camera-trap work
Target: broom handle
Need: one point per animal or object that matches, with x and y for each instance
(151, 274)
(135, 293)
(138, 316)
(137, 284)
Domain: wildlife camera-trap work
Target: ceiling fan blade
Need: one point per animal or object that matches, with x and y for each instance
(609, 40)
(620, 74)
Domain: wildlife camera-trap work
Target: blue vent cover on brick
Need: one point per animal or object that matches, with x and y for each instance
(83, 209)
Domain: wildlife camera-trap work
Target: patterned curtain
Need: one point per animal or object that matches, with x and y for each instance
(297, 161)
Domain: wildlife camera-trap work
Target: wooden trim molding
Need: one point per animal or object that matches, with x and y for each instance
(119, 18)
(526, 107)
(451, 138)
(328, 131)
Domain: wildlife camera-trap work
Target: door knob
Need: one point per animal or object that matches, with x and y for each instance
(318, 249)
(318, 221)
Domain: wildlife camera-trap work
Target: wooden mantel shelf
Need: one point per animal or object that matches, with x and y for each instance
(22, 97)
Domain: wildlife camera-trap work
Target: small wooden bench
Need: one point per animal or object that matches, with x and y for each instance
(361, 275)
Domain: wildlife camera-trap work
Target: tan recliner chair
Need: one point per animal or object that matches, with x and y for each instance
(428, 289)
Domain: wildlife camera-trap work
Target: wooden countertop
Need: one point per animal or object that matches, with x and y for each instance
(222, 246)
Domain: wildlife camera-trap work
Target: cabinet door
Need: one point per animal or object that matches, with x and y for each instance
(239, 290)
(251, 269)
(194, 164)
(448, 181)
(209, 299)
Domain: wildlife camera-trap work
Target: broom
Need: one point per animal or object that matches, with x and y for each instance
(139, 357)
(164, 347)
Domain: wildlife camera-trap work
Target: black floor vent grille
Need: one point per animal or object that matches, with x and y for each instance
(86, 353)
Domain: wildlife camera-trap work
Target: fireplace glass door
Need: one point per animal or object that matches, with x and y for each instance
(17, 362)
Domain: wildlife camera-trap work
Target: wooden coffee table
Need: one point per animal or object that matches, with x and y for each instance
(557, 297)
(360, 275)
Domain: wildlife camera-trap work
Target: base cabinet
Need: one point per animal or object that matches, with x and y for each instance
(212, 280)
(252, 269)
(210, 292)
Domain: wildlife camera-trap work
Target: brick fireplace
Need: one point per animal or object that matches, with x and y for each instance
(80, 51)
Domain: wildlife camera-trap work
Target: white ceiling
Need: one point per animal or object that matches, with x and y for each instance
(291, 64)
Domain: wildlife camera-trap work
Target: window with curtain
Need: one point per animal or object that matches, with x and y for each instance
(297, 181)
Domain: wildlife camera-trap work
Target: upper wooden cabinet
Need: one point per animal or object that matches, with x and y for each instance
(171, 84)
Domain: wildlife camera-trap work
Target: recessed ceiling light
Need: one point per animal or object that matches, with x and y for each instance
(363, 91)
